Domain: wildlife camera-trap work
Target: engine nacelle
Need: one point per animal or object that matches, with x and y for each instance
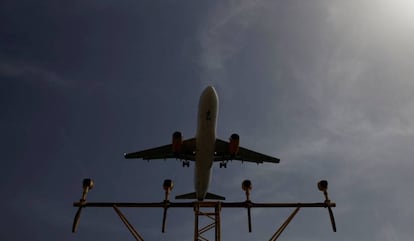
(234, 144)
(177, 142)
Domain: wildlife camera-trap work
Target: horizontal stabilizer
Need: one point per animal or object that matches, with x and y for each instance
(214, 196)
(191, 195)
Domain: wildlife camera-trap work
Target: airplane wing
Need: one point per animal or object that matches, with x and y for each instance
(223, 154)
(164, 152)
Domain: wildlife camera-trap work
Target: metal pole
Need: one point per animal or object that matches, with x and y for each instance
(196, 212)
(128, 224)
(284, 225)
(217, 221)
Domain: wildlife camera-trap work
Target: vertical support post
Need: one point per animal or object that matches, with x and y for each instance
(323, 187)
(168, 186)
(249, 218)
(247, 186)
(217, 210)
(196, 213)
(87, 184)
(214, 217)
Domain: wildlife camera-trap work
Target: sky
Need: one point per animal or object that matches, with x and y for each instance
(326, 86)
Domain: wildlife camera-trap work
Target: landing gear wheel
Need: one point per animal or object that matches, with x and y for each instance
(186, 164)
(223, 164)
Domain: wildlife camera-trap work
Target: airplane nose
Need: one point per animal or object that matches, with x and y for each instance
(210, 88)
(210, 91)
(209, 97)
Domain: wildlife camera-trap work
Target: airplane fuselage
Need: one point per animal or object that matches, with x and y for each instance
(205, 141)
(204, 149)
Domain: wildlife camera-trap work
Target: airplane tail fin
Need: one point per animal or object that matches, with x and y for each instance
(193, 195)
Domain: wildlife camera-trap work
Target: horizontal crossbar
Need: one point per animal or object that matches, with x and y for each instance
(245, 204)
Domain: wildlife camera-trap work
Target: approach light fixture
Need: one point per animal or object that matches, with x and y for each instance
(323, 185)
(168, 185)
(247, 185)
(87, 183)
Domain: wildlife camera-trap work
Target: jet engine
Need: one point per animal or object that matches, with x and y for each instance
(234, 144)
(177, 142)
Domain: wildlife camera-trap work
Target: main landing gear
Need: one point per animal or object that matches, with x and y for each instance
(186, 163)
(223, 164)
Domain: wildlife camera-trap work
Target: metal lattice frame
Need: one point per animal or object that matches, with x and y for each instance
(199, 207)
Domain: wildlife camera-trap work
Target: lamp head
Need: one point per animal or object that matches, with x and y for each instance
(323, 185)
(168, 184)
(246, 185)
(87, 183)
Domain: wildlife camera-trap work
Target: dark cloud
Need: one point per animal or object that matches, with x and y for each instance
(324, 85)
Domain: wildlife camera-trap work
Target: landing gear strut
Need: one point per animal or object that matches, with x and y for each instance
(223, 164)
(186, 163)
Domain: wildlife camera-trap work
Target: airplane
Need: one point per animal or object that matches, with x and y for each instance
(204, 149)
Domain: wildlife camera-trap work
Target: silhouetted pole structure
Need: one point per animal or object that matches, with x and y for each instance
(197, 206)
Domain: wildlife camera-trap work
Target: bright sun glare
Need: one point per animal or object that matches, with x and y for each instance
(399, 12)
